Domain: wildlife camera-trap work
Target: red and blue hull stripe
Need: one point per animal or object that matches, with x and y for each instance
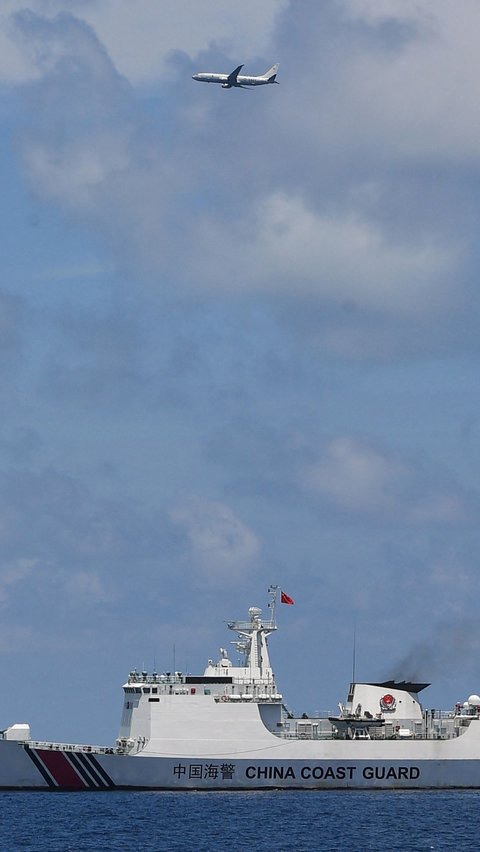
(70, 770)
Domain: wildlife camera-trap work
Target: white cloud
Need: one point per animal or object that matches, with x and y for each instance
(73, 173)
(241, 30)
(356, 476)
(15, 636)
(15, 64)
(359, 478)
(21, 61)
(384, 10)
(344, 257)
(140, 36)
(332, 258)
(14, 572)
(80, 138)
(220, 541)
(89, 149)
(88, 586)
(438, 506)
(418, 97)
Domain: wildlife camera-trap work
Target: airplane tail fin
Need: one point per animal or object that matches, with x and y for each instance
(271, 73)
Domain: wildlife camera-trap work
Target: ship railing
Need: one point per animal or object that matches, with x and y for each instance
(250, 625)
(317, 715)
(45, 744)
(138, 680)
(305, 735)
(251, 698)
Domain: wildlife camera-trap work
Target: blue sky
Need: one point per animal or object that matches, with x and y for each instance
(239, 345)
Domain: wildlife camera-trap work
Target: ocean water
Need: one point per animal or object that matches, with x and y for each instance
(248, 822)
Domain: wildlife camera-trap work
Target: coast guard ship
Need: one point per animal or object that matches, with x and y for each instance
(229, 729)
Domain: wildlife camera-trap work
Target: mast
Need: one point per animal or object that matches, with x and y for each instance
(252, 640)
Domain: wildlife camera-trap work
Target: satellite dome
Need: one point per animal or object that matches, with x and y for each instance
(474, 699)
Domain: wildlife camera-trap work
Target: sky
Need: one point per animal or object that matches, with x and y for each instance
(238, 346)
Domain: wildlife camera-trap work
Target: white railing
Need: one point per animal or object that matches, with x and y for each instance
(249, 625)
(92, 749)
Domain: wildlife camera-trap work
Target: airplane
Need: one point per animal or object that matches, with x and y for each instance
(239, 81)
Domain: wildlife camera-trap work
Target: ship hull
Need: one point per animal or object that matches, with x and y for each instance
(309, 766)
(228, 730)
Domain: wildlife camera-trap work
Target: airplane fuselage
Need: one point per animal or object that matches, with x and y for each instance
(223, 79)
(237, 80)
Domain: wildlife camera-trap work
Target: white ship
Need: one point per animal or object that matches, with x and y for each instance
(229, 729)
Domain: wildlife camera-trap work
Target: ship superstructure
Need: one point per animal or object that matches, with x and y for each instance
(153, 701)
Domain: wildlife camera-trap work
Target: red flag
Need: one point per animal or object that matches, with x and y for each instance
(286, 599)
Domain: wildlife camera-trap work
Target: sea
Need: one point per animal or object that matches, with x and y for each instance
(363, 821)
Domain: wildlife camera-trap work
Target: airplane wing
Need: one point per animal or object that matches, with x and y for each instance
(232, 78)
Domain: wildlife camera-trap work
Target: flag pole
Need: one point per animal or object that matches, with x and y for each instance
(354, 655)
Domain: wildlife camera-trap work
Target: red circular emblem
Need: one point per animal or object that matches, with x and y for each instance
(388, 702)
